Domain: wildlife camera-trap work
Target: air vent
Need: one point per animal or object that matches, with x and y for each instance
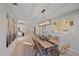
(16, 4)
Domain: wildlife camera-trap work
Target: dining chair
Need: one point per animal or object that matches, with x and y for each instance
(36, 47)
(65, 48)
(56, 38)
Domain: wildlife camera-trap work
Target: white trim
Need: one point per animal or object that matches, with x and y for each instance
(27, 43)
(75, 52)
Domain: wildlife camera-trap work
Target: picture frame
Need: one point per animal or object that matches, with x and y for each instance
(11, 31)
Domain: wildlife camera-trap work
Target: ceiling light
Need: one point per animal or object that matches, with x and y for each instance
(43, 10)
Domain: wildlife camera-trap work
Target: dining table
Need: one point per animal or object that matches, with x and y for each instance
(50, 46)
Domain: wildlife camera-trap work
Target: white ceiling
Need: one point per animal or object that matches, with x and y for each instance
(32, 12)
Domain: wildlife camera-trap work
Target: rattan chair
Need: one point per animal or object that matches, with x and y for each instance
(65, 48)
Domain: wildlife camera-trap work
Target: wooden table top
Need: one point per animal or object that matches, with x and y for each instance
(46, 44)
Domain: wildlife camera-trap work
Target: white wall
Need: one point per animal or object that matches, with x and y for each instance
(4, 9)
(74, 38)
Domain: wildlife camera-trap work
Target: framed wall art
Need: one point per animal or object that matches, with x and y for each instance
(11, 31)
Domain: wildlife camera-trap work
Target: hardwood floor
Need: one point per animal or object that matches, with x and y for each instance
(19, 50)
(22, 49)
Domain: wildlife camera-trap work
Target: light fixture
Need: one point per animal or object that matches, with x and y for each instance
(43, 10)
(43, 23)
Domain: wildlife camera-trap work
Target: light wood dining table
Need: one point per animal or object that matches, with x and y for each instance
(50, 47)
(45, 43)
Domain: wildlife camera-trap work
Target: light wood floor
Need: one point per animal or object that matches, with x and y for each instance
(22, 49)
